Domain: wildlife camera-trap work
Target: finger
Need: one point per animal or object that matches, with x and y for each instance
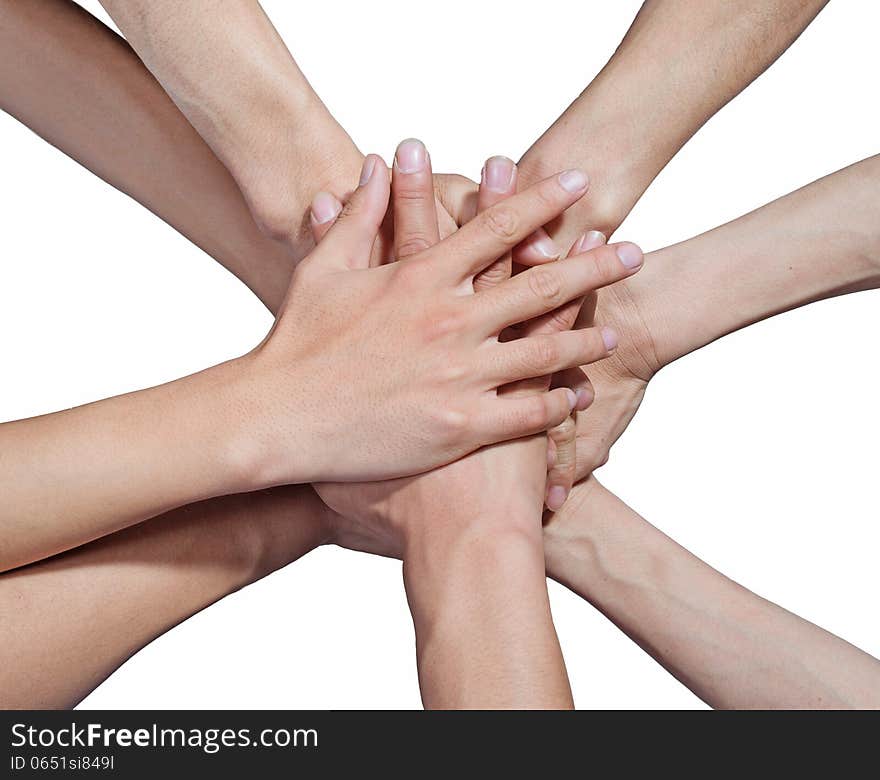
(560, 478)
(577, 380)
(457, 195)
(412, 199)
(551, 454)
(537, 249)
(497, 182)
(506, 417)
(500, 228)
(533, 251)
(541, 290)
(352, 235)
(589, 457)
(538, 356)
(566, 315)
(322, 214)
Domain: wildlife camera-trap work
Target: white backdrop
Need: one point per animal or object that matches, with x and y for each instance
(758, 453)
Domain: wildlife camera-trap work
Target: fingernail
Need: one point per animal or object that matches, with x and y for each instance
(499, 173)
(572, 398)
(556, 497)
(573, 180)
(609, 338)
(585, 398)
(325, 208)
(630, 255)
(367, 170)
(545, 245)
(411, 156)
(589, 240)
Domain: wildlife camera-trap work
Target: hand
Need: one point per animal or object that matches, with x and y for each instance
(364, 510)
(466, 529)
(583, 443)
(455, 200)
(377, 372)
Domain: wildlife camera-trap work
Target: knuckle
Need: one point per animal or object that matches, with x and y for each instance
(548, 196)
(453, 372)
(533, 414)
(493, 275)
(412, 244)
(452, 424)
(559, 320)
(564, 433)
(349, 211)
(501, 222)
(545, 284)
(606, 266)
(545, 353)
(444, 325)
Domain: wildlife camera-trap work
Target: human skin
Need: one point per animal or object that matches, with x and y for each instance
(623, 129)
(699, 290)
(732, 648)
(354, 351)
(817, 242)
(58, 97)
(71, 620)
(116, 100)
(470, 532)
(229, 72)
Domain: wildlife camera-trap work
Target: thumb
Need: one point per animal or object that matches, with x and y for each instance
(349, 241)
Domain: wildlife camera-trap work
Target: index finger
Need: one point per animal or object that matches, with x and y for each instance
(500, 228)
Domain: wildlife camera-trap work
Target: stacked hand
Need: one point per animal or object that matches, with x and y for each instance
(378, 515)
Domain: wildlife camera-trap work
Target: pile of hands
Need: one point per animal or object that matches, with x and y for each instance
(427, 369)
(449, 360)
(427, 378)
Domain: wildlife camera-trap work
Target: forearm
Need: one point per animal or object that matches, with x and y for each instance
(635, 116)
(159, 573)
(820, 241)
(729, 646)
(77, 84)
(229, 72)
(70, 477)
(484, 635)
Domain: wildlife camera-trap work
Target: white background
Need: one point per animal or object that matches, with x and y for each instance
(758, 453)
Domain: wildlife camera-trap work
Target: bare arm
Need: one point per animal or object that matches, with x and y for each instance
(679, 63)
(133, 586)
(478, 594)
(229, 72)
(817, 242)
(729, 646)
(80, 86)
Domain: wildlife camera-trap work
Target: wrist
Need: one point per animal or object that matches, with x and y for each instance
(482, 561)
(613, 150)
(270, 441)
(306, 151)
(600, 548)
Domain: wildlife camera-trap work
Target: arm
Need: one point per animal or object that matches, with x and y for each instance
(229, 72)
(475, 581)
(80, 86)
(817, 242)
(729, 646)
(159, 573)
(470, 532)
(820, 241)
(635, 116)
(302, 406)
